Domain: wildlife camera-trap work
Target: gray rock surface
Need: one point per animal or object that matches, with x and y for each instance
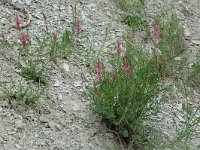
(63, 121)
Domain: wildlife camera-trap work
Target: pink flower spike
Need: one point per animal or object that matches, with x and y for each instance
(54, 37)
(118, 47)
(78, 27)
(99, 70)
(17, 21)
(156, 31)
(23, 39)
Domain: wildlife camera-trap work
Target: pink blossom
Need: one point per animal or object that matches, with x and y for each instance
(23, 39)
(118, 47)
(156, 31)
(78, 26)
(17, 21)
(98, 70)
(54, 37)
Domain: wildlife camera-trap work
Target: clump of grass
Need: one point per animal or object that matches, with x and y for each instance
(133, 20)
(26, 94)
(32, 71)
(193, 77)
(66, 44)
(171, 41)
(185, 132)
(61, 48)
(130, 4)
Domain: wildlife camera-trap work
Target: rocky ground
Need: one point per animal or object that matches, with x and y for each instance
(63, 120)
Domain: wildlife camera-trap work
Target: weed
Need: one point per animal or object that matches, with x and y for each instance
(63, 48)
(133, 20)
(193, 78)
(123, 96)
(33, 70)
(42, 44)
(130, 4)
(188, 130)
(66, 44)
(171, 42)
(28, 95)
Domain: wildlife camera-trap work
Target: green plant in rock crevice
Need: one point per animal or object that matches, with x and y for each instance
(193, 78)
(123, 96)
(135, 21)
(26, 94)
(128, 5)
(171, 42)
(33, 71)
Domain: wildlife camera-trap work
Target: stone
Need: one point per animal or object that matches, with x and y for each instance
(56, 83)
(187, 33)
(19, 124)
(108, 14)
(18, 146)
(78, 83)
(196, 42)
(181, 119)
(43, 119)
(66, 67)
(179, 107)
(60, 97)
(177, 58)
(76, 107)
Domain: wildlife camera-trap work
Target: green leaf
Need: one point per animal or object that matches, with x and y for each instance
(66, 38)
(125, 133)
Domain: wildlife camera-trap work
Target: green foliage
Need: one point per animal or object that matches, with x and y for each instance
(124, 97)
(32, 71)
(28, 95)
(194, 78)
(130, 4)
(66, 44)
(42, 43)
(133, 20)
(171, 41)
(62, 48)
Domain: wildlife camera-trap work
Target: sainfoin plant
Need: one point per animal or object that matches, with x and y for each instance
(17, 21)
(122, 95)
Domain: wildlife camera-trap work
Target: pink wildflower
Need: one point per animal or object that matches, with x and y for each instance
(78, 27)
(17, 21)
(23, 39)
(118, 47)
(54, 37)
(156, 31)
(98, 70)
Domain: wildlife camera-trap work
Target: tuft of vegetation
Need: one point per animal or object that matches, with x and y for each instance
(168, 44)
(171, 41)
(26, 94)
(32, 71)
(128, 5)
(194, 78)
(124, 96)
(61, 48)
(133, 20)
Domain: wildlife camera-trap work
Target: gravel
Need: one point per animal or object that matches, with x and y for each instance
(63, 120)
